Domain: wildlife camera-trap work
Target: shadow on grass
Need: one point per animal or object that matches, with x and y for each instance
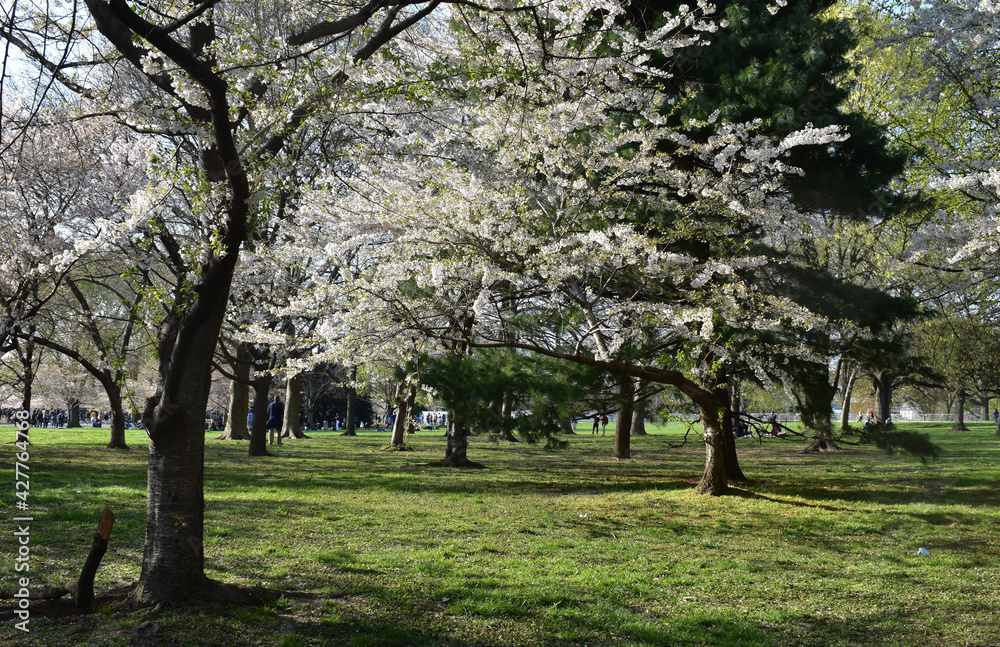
(299, 620)
(984, 496)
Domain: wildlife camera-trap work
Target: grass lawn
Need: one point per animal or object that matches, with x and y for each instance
(545, 547)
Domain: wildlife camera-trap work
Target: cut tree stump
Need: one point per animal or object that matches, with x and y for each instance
(85, 585)
(83, 590)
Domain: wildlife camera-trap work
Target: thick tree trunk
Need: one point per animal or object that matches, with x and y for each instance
(960, 411)
(352, 404)
(456, 454)
(239, 398)
(815, 408)
(261, 386)
(623, 424)
(73, 414)
(823, 442)
(117, 440)
(714, 479)
(884, 387)
(730, 459)
(292, 425)
(173, 560)
(639, 410)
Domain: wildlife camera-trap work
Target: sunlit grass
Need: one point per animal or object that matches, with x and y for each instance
(549, 547)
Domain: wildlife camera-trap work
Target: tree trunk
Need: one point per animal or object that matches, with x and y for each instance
(402, 414)
(73, 414)
(239, 397)
(623, 425)
(114, 393)
(960, 411)
(173, 559)
(730, 459)
(261, 386)
(639, 410)
(292, 424)
(28, 373)
(352, 404)
(456, 454)
(507, 419)
(816, 413)
(714, 479)
(823, 442)
(984, 404)
(884, 387)
(845, 412)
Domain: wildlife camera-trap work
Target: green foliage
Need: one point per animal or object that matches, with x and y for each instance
(544, 392)
(789, 69)
(891, 439)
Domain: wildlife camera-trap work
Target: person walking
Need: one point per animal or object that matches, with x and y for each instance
(275, 416)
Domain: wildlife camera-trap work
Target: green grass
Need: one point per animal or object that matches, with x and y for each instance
(546, 547)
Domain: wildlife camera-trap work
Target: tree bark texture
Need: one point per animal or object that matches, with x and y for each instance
(507, 419)
(714, 479)
(960, 411)
(173, 558)
(117, 408)
(818, 419)
(292, 424)
(239, 397)
(261, 386)
(884, 386)
(730, 458)
(457, 451)
(27, 373)
(639, 409)
(73, 417)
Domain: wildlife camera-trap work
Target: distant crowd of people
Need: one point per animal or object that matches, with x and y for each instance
(336, 422)
(59, 418)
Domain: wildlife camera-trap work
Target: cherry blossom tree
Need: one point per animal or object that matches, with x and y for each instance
(523, 188)
(65, 184)
(227, 89)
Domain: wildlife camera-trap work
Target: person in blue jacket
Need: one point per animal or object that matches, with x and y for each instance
(275, 415)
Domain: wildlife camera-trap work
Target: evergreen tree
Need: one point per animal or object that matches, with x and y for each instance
(787, 70)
